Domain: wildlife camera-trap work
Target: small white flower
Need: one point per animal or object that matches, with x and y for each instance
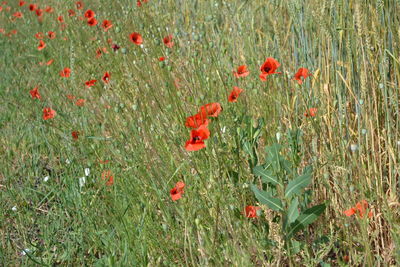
(398, 143)
(14, 208)
(87, 171)
(45, 179)
(278, 136)
(223, 129)
(24, 251)
(82, 181)
(67, 161)
(353, 147)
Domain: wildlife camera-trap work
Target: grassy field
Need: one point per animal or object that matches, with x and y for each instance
(92, 185)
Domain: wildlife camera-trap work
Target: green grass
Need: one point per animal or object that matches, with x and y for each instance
(351, 47)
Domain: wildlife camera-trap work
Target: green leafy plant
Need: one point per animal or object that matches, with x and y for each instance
(283, 191)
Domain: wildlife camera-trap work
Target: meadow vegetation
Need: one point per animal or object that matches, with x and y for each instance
(292, 174)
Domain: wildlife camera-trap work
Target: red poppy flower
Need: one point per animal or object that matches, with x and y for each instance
(196, 121)
(71, 12)
(211, 110)
(235, 94)
(18, 14)
(89, 14)
(32, 7)
(302, 72)
(80, 102)
(21, 3)
(177, 191)
(75, 135)
(39, 12)
(136, 38)
(241, 71)
(138, 3)
(35, 93)
(360, 208)
(161, 58)
(39, 35)
(71, 97)
(49, 9)
(197, 137)
(48, 113)
(79, 5)
(107, 175)
(269, 67)
(60, 19)
(168, 41)
(251, 211)
(92, 21)
(106, 25)
(66, 72)
(48, 63)
(90, 83)
(42, 45)
(51, 34)
(311, 112)
(106, 77)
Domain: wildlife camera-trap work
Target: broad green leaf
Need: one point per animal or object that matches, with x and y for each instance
(298, 183)
(266, 175)
(293, 211)
(266, 199)
(273, 156)
(306, 218)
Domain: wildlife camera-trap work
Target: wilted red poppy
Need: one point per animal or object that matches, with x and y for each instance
(311, 112)
(106, 25)
(251, 211)
(66, 72)
(79, 5)
(177, 191)
(39, 35)
(71, 97)
(89, 14)
(71, 12)
(51, 34)
(269, 67)
(48, 113)
(42, 45)
(301, 73)
(48, 63)
(106, 77)
(75, 135)
(197, 137)
(90, 83)
(168, 41)
(136, 38)
(18, 14)
(196, 121)
(60, 19)
(107, 175)
(241, 71)
(21, 3)
(92, 21)
(360, 208)
(211, 110)
(161, 58)
(115, 47)
(32, 7)
(35, 93)
(49, 9)
(80, 102)
(235, 94)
